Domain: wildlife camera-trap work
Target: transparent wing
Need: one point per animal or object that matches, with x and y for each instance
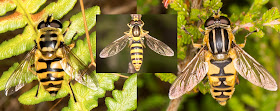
(158, 46)
(253, 71)
(191, 75)
(114, 48)
(76, 69)
(22, 74)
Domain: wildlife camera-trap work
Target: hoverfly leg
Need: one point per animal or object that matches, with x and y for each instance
(243, 44)
(194, 44)
(142, 42)
(66, 30)
(72, 92)
(36, 95)
(237, 80)
(30, 69)
(129, 41)
(235, 29)
(72, 45)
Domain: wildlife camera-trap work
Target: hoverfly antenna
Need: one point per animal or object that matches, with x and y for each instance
(216, 13)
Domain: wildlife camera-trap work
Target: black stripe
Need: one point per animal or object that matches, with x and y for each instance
(226, 40)
(53, 35)
(50, 69)
(53, 92)
(48, 43)
(222, 86)
(55, 86)
(222, 90)
(219, 39)
(136, 58)
(136, 41)
(50, 61)
(222, 96)
(211, 42)
(137, 63)
(42, 36)
(136, 53)
(136, 47)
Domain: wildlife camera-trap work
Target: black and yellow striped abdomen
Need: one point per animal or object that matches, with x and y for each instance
(222, 79)
(136, 52)
(50, 74)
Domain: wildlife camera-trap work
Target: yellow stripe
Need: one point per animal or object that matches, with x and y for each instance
(137, 61)
(136, 38)
(52, 89)
(136, 44)
(136, 50)
(136, 56)
(53, 82)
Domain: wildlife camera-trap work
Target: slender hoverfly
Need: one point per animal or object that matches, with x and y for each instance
(135, 36)
(220, 58)
(49, 60)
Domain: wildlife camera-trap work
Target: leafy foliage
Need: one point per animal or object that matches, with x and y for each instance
(125, 100)
(166, 77)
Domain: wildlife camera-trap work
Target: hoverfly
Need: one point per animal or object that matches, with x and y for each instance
(49, 60)
(135, 36)
(220, 57)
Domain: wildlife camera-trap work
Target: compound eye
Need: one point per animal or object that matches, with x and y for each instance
(224, 20)
(139, 22)
(209, 21)
(56, 24)
(132, 22)
(41, 25)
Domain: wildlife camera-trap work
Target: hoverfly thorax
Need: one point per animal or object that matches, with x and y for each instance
(217, 31)
(50, 36)
(136, 27)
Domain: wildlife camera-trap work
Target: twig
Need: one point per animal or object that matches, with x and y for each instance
(174, 104)
(120, 75)
(87, 34)
(55, 104)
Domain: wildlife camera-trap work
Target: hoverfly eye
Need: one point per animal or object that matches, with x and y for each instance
(209, 22)
(140, 22)
(132, 22)
(56, 24)
(224, 20)
(41, 25)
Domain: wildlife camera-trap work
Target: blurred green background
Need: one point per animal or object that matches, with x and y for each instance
(111, 27)
(153, 92)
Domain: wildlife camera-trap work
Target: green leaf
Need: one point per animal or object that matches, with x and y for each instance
(77, 24)
(125, 100)
(166, 77)
(213, 4)
(6, 6)
(272, 18)
(88, 98)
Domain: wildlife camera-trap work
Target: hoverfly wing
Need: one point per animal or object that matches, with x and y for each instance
(158, 46)
(253, 71)
(76, 69)
(191, 75)
(114, 48)
(22, 74)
